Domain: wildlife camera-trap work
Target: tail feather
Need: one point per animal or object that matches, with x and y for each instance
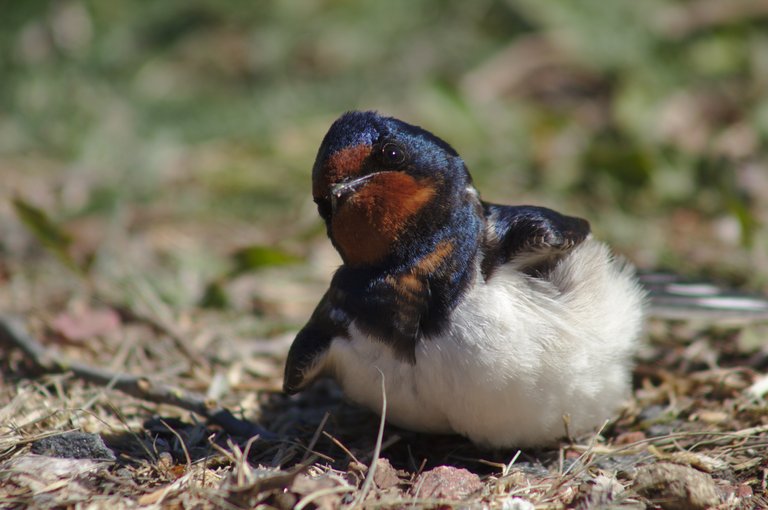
(672, 297)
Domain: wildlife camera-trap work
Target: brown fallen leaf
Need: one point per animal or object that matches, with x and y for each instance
(84, 323)
(699, 461)
(712, 417)
(385, 476)
(153, 497)
(676, 487)
(626, 438)
(41, 473)
(324, 491)
(600, 492)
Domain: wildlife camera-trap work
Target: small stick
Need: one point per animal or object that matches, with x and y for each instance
(316, 436)
(342, 447)
(377, 449)
(181, 442)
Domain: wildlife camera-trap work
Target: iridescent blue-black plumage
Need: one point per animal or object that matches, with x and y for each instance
(400, 208)
(533, 238)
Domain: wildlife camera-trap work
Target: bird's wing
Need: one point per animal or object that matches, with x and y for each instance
(531, 238)
(305, 357)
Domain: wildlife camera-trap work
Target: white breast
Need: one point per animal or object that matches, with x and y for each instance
(519, 355)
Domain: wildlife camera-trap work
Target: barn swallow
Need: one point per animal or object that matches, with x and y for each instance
(499, 323)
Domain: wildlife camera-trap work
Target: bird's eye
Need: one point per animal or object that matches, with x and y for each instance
(393, 154)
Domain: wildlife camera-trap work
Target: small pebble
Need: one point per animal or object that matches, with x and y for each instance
(74, 445)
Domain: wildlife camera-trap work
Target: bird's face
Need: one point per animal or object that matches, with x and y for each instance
(379, 182)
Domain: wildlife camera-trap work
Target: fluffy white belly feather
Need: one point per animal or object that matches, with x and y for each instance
(519, 355)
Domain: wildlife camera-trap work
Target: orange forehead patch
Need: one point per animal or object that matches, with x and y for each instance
(370, 221)
(342, 165)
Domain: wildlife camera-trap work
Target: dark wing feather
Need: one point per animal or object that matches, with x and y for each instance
(532, 238)
(311, 344)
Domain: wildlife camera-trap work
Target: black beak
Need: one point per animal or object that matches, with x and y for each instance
(343, 190)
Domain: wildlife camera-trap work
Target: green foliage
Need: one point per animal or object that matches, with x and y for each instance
(244, 260)
(50, 235)
(215, 109)
(252, 258)
(214, 295)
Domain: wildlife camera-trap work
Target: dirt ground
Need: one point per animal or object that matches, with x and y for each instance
(118, 400)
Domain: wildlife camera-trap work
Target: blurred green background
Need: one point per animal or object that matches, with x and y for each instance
(164, 135)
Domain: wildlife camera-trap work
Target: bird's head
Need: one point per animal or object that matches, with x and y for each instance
(381, 184)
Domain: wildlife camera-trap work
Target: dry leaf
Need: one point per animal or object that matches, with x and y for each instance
(85, 323)
(676, 487)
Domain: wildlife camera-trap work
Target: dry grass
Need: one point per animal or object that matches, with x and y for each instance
(693, 435)
(692, 407)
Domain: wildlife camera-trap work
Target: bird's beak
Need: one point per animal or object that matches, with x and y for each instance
(341, 191)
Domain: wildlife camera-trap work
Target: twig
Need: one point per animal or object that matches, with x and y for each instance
(316, 436)
(342, 447)
(13, 332)
(309, 498)
(376, 450)
(181, 442)
(508, 466)
(588, 451)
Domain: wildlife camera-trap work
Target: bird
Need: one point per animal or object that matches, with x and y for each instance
(511, 325)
